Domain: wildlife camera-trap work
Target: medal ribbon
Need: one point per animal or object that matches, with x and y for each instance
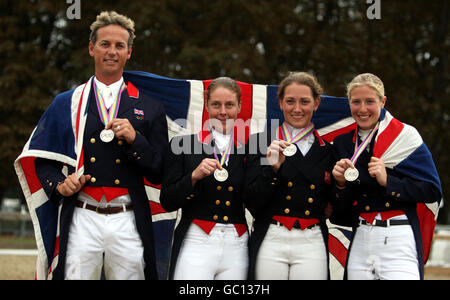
(364, 144)
(106, 116)
(301, 135)
(226, 153)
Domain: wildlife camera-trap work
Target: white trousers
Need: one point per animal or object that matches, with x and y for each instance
(383, 253)
(221, 255)
(295, 255)
(97, 240)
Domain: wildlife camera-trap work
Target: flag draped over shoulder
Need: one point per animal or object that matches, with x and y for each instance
(402, 149)
(184, 105)
(58, 136)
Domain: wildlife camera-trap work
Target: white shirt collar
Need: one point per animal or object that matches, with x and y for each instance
(305, 144)
(114, 87)
(363, 133)
(221, 140)
(294, 131)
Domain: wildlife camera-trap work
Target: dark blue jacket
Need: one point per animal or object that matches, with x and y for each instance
(307, 180)
(366, 195)
(129, 164)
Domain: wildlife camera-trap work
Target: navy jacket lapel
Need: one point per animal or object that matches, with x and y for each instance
(93, 121)
(126, 103)
(307, 163)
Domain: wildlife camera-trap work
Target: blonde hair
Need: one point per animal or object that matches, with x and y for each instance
(301, 78)
(106, 18)
(366, 79)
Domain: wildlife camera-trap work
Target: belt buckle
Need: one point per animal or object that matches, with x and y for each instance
(105, 212)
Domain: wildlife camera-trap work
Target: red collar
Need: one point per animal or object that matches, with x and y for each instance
(319, 138)
(132, 90)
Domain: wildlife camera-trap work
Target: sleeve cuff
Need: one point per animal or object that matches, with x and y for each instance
(270, 177)
(393, 187)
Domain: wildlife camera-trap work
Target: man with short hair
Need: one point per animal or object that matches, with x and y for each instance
(95, 164)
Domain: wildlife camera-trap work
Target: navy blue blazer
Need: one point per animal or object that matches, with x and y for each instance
(366, 195)
(209, 200)
(301, 188)
(117, 164)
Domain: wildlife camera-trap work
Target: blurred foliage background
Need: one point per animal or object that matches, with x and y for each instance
(43, 52)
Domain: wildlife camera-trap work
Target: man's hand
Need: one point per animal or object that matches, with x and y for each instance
(123, 130)
(72, 185)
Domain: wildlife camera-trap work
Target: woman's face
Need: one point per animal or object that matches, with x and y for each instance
(366, 106)
(298, 105)
(223, 108)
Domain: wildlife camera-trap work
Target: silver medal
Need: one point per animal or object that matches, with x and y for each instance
(221, 175)
(290, 150)
(107, 135)
(351, 174)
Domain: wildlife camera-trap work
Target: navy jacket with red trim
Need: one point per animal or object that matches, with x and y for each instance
(208, 200)
(143, 158)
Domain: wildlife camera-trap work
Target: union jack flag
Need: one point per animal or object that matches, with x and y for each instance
(184, 105)
(401, 148)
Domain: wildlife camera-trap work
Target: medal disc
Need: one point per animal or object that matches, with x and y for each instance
(221, 175)
(107, 135)
(290, 150)
(351, 174)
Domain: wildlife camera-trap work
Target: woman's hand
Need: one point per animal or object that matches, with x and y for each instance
(205, 168)
(275, 154)
(339, 170)
(377, 169)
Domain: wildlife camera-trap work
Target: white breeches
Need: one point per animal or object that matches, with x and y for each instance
(221, 255)
(296, 255)
(97, 240)
(383, 253)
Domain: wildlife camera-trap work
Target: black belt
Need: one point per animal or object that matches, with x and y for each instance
(385, 223)
(296, 224)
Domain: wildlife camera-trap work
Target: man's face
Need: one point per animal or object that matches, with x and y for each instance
(110, 51)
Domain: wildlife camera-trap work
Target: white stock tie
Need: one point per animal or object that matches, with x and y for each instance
(108, 97)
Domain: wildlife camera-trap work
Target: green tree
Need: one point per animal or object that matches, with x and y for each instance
(28, 75)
